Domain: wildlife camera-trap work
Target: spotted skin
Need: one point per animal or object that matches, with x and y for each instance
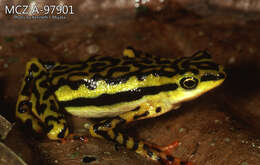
(108, 129)
(133, 87)
(33, 108)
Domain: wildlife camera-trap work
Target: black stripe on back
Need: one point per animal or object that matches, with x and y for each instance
(110, 99)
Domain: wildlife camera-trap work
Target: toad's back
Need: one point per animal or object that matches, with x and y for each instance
(107, 86)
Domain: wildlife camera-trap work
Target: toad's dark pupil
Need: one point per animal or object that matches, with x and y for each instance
(189, 83)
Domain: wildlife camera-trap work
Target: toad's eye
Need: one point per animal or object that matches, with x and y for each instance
(189, 82)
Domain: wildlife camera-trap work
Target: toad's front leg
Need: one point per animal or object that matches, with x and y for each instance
(108, 129)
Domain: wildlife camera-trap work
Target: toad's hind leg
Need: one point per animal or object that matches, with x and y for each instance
(108, 129)
(36, 105)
